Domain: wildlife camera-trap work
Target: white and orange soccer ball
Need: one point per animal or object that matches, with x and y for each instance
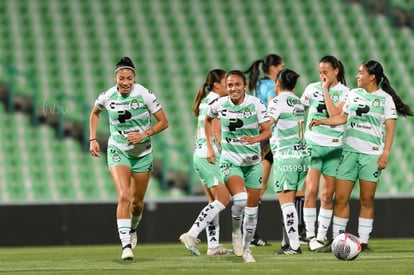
(346, 247)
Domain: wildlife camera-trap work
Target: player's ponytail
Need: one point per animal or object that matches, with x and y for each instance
(212, 77)
(375, 68)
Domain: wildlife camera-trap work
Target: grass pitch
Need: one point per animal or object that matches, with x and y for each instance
(390, 256)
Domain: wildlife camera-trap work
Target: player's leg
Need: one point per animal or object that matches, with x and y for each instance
(368, 181)
(309, 208)
(346, 176)
(324, 216)
(235, 185)
(290, 218)
(267, 166)
(138, 188)
(141, 174)
(121, 176)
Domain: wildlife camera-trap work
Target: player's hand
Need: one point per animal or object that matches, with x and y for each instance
(382, 161)
(94, 149)
(211, 156)
(248, 140)
(314, 122)
(135, 137)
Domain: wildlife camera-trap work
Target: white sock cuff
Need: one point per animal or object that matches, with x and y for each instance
(240, 199)
(251, 211)
(309, 212)
(218, 204)
(327, 213)
(287, 206)
(340, 221)
(366, 222)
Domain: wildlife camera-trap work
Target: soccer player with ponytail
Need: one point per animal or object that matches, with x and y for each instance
(370, 113)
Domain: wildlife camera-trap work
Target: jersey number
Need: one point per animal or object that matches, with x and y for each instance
(301, 129)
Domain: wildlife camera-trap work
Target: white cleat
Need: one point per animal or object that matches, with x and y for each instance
(127, 254)
(315, 244)
(190, 243)
(248, 257)
(237, 243)
(134, 239)
(218, 250)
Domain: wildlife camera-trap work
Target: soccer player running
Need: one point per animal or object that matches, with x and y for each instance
(370, 113)
(130, 107)
(216, 192)
(324, 99)
(264, 89)
(244, 124)
(290, 154)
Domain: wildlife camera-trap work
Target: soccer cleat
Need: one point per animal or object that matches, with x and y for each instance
(127, 253)
(289, 251)
(190, 243)
(237, 243)
(315, 244)
(365, 248)
(134, 238)
(259, 242)
(248, 257)
(305, 240)
(326, 248)
(284, 247)
(218, 250)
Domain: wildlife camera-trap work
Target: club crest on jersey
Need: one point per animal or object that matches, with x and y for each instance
(134, 104)
(376, 102)
(247, 113)
(335, 96)
(116, 158)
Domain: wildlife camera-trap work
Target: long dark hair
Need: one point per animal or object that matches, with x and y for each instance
(212, 77)
(336, 64)
(375, 68)
(253, 70)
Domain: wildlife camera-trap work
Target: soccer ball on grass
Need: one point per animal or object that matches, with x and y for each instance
(346, 247)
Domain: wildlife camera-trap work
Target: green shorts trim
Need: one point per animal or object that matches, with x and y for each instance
(289, 173)
(325, 159)
(252, 175)
(209, 174)
(118, 157)
(354, 166)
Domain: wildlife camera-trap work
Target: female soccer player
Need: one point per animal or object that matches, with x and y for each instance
(264, 89)
(369, 113)
(130, 107)
(324, 99)
(290, 154)
(244, 124)
(216, 192)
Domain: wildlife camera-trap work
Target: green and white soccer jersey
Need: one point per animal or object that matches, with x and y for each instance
(201, 144)
(131, 113)
(365, 127)
(313, 97)
(238, 121)
(289, 113)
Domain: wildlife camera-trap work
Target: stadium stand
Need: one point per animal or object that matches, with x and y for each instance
(70, 47)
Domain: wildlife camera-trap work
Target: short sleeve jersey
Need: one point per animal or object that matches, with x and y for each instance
(265, 89)
(238, 121)
(313, 98)
(365, 127)
(289, 115)
(201, 144)
(131, 113)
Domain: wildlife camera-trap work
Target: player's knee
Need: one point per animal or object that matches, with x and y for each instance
(240, 199)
